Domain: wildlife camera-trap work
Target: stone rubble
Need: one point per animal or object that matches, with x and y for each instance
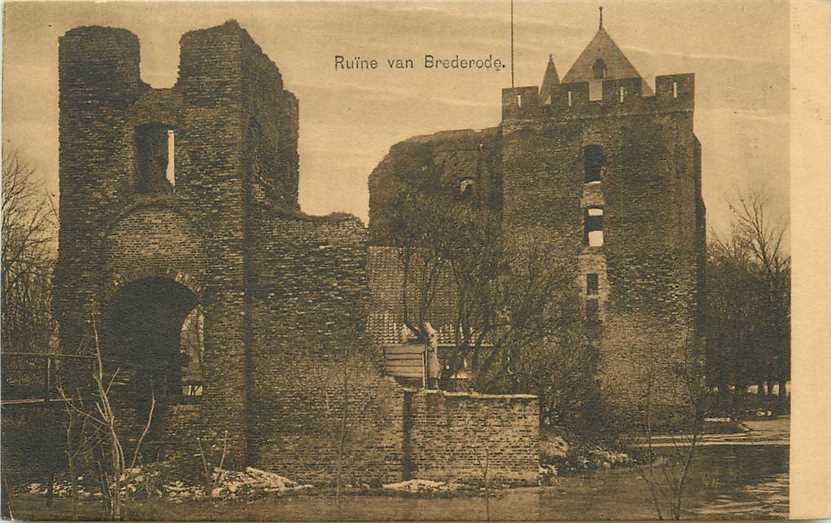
(421, 485)
(145, 482)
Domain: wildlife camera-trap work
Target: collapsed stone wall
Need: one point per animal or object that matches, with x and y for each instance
(432, 166)
(285, 296)
(308, 310)
(650, 268)
(431, 170)
(454, 436)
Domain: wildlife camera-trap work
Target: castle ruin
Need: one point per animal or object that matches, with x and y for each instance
(173, 200)
(605, 172)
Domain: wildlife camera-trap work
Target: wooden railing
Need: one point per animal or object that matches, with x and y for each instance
(408, 362)
(31, 377)
(405, 361)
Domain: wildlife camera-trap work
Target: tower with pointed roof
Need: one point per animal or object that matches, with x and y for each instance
(607, 170)
(599, 167)
(602, 60)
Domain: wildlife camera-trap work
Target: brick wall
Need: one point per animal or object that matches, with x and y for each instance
(650, 268)
(453, 436)
(308, 312)
(34, 437)
(433, 167)
(285, 295)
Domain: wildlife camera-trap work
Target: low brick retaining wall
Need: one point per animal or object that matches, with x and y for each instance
(423, 434)
(458, 436)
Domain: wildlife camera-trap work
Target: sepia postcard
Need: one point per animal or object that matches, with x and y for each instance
(393, 261)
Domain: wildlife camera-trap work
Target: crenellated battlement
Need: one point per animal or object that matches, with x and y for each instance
(520, 102)
(673, 93)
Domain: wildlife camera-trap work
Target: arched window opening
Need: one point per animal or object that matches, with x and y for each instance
(155, 168)
(192, 350)
(593, 227)
(593, 162)
(599, 69)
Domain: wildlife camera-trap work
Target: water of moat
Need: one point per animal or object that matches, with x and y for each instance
(735, 482)
(734, 476)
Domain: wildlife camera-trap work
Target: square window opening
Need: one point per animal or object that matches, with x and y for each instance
(592, 284)
(593, 227)
(155, 152)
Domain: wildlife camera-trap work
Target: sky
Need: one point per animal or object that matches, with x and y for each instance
(738, 50)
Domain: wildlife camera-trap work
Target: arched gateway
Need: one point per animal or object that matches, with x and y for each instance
(184, 199)
(179, 218)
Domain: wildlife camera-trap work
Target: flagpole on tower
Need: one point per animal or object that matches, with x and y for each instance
(512, 44)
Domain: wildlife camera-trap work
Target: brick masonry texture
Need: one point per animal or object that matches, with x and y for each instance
(651, 266)
(455, 436)
(285, 296)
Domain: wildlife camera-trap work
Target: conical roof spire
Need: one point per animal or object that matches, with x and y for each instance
(549, 80)
(602, 59)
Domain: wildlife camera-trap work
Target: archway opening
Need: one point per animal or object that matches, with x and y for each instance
(154, 330)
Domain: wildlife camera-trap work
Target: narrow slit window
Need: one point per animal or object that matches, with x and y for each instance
(592, 284)
(675, 89)
(621, 93)
(170, 171)
(594, 160)
(599, 69)
(570, 100)
(519, 101)
(593, 227)
(592, 311)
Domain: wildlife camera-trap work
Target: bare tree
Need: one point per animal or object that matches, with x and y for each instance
(748, 304)
(506, 306)
(98, 442)
(28, 232)
(666, 472)
(344, 401)
(763, 233)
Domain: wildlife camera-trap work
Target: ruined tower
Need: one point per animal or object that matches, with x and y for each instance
(179, 207)
(611, 174)
(160, 191)
(606, 173)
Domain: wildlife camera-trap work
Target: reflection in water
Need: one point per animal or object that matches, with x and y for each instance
(727, 482)
(741, 481)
